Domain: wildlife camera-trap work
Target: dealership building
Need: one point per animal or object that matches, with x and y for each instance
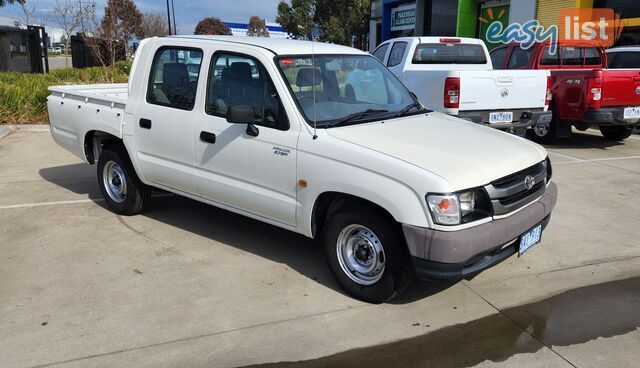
(470, 18)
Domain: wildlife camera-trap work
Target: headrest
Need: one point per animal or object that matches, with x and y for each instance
(365, 64)
(238, 72)
(175, 74)
(307, 76)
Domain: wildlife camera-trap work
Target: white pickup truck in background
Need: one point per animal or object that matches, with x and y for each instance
(454, 75)
(318, 139)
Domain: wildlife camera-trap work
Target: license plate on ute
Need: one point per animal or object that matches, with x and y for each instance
(631, 112)
(500, 117)
(529, 239)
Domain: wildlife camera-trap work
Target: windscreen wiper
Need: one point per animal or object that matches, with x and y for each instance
(409, 107)
(356, 116)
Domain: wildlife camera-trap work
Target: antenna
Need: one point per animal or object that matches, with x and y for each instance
(313, 85)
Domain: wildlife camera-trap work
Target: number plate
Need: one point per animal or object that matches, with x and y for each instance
(501, 117)
(529, 239)
(631, 112)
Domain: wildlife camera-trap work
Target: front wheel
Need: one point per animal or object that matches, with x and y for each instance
(616, 132)
(366, 256)
(120, 186)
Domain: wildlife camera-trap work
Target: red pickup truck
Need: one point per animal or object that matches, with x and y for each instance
(585, 93)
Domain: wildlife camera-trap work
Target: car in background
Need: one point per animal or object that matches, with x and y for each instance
(454, 75)
(624, 57)
(585, 93)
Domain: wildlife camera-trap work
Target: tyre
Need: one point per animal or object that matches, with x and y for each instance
(120, 186)
(366, 256)
(616, 132)
(544, 133)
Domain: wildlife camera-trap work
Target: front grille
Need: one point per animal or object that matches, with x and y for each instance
(510, 192)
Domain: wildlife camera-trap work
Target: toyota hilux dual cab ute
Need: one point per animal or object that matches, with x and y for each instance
(454, 75)
(585, 93)
(267, 128)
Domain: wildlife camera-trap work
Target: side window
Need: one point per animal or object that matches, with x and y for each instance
(548, 59)
(241, 80)
(174, 77)
(519, 58)
(381, 51)
(397, 52)
(497, 57)
(571, 55)
(592, 56)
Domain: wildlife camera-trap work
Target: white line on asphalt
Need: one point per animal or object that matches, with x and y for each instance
(56, 203)
(596, 160)
(565, 156)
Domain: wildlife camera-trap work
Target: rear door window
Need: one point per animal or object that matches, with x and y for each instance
(519, 58)
(397, 53)
(592, 56)
(571, 55)
(174, 77)
(550, 59)
(449, 53)
(497, 57)
(381, 51)
(624, 59)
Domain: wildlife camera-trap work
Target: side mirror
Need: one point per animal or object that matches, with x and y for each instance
(243, 114)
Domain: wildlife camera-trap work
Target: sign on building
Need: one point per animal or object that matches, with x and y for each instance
(403, 17)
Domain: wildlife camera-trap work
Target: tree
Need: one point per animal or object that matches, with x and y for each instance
(153, 24)
(297, 19)
(28, 9)
(68, 16)
(340, 22)
(257, 27)
(212, 26)
(121, 20)
(3, 2)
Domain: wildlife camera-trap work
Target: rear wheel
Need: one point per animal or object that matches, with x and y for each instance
(120, 186)
(366, 256)
(616, 132)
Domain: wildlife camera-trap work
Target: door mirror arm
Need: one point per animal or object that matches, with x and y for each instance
(252, 130)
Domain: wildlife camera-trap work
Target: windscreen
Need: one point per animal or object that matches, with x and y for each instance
(342, 86)
(449, 53)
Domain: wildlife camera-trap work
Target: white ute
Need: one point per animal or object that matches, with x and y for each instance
(455, 75)
(271, 129)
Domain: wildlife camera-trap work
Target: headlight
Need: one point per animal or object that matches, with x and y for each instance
(459, 208)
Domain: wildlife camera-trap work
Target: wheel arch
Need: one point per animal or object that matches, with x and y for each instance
(95, 141)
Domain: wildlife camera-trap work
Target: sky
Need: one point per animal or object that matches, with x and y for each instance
(188, 12)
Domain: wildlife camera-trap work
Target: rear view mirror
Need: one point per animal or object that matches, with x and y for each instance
(240, 114)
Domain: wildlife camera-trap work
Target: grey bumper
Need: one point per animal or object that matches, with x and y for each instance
(608, 115)
(456, 254)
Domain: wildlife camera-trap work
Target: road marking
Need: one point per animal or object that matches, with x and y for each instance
(57, 203)
(565, 156)
(596, 160)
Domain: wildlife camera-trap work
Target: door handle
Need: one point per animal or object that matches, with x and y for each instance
(145, 123)
(207, 137)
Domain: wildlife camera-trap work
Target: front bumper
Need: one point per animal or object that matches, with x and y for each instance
(608, 116)
(526, 119)
(454, 255)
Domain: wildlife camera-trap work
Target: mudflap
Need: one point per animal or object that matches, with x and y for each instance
(563, 128)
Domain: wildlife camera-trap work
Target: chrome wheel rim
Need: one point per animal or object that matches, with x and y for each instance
(114, 182)
(541, 130)
(360, 254)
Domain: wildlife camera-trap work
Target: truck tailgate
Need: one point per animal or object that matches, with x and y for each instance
(502, 89)
(621, 87)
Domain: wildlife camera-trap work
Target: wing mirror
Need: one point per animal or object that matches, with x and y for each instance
(243, 114)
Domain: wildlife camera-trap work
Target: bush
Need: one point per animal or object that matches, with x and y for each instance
(23, 97)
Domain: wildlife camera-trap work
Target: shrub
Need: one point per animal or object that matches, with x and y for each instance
(23, 97)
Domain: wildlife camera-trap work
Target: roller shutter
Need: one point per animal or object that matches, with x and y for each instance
(548, 10)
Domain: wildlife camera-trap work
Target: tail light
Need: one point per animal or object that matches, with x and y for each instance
(549, 95)
(450, 40)
(594, 90)
(452, 93)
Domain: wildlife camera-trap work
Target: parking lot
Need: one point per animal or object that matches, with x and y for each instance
(189, 285)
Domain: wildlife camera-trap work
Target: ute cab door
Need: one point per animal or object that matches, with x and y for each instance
(165, 118)
(248, 166)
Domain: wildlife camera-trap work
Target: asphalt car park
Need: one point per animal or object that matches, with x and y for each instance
(189, 285)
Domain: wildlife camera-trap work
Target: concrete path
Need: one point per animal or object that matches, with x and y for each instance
(188, 285)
